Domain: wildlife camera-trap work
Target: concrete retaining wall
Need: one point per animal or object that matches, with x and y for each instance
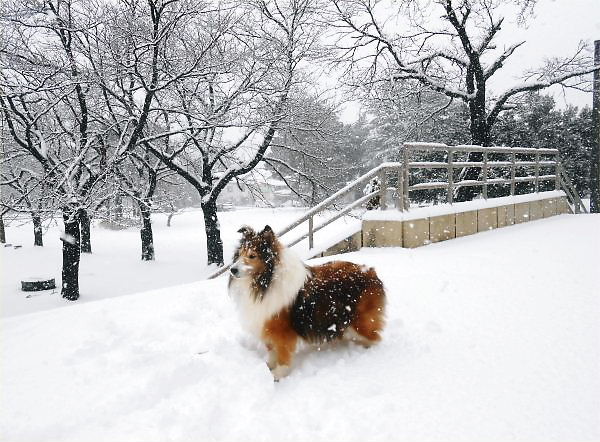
(418, 232)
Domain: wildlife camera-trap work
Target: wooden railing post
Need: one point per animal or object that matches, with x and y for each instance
(513, 172)
(310, 233)
(450, 191)
(400, 189)
(484, 172)
(382, 189)
(537, 172)
(556, 172)
(406, 180)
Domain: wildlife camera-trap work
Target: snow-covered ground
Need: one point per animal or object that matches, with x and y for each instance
(114, 268)
(490, 337)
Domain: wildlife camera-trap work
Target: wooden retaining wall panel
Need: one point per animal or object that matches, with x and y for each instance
(536, 210)
(466, 223)
(442, 228)
(415, 233)
(487, 219)
(521, 213)
(549, 207)
(350, 244)
(506, 215)
(382, 233)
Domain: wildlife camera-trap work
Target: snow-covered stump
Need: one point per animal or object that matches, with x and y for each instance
(36, 284)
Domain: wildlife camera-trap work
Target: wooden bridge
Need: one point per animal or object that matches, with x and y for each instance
(517, 185)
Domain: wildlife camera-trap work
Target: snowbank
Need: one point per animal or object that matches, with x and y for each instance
(489, 337)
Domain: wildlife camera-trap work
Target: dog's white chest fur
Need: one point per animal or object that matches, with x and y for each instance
(288, 278)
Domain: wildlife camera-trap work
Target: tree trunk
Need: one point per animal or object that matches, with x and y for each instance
(118, 207)
(480, 136)
(146, 233)
(71, 255)
(214, 244)
(37, 229)
(595, 153)
(84, 221)
(2, 233)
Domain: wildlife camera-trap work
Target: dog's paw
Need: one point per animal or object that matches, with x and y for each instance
(280, 371)
(272, 360)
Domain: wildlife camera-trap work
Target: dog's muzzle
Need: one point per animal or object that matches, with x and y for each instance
(235, 271)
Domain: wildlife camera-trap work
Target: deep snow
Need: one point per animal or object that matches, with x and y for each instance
(114, 268)
(490, 337)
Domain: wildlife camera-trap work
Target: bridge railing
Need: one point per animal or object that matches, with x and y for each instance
(396, 182)
(500, 166)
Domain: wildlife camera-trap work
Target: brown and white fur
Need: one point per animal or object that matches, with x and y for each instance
(281, 300)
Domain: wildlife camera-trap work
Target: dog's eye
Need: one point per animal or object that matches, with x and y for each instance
(252, 256)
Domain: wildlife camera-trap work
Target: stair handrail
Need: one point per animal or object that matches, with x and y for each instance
(570, 191)
(380, 170)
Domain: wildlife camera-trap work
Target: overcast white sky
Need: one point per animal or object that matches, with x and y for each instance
(555, 30)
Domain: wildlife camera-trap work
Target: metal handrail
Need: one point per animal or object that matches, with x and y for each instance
(323, 205)
(571, 192)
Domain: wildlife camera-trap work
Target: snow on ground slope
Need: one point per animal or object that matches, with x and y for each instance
(114, 268)
(490, 337)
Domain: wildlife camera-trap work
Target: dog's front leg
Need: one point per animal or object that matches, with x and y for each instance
(281, 354)
(280, 338)
(272, 357)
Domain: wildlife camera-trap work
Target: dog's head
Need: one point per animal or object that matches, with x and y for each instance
(256, 257)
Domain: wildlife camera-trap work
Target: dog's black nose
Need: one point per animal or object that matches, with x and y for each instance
(234, 271)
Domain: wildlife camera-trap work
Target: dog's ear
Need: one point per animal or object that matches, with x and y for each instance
(268, 233)
(247, 232)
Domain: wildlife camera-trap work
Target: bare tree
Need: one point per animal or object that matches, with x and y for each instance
(45, 96)
(232, 106)
(26, 192)
(455, 55)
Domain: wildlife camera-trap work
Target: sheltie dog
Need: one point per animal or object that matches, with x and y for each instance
(282, 300)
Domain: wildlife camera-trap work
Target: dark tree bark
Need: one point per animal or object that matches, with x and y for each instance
(37, 230)
(71, 255)
(84, 222)
(146, 232)
(2, 233)
(118, 207)
(595, 153)
(214, 244)
(480, 136)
